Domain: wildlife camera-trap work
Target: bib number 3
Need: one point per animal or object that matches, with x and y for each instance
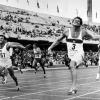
(73, 46)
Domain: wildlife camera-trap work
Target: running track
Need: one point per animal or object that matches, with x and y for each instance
(54, 87)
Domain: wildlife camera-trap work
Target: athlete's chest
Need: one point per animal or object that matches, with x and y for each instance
(75, 34)
(72, 34)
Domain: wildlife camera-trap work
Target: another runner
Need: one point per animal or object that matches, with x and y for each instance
(38, 58)
(5, 58)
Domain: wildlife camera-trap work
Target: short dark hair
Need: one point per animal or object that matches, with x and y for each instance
(35, 44)
(81, 21)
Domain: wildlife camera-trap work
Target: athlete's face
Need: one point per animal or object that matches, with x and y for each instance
(76, 22)
(34, 46)
(1, 39)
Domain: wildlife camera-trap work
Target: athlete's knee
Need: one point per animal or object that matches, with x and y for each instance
(9, 69)
(11, 72)
(6, 72)
(72, 65)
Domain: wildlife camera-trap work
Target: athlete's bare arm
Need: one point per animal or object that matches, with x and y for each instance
(64, 34)
(14, 44)
(91, 34)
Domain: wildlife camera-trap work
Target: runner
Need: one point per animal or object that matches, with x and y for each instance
(5, 58)
(38, 59)
(74, 40)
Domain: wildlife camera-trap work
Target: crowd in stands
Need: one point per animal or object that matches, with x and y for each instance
(21, 24)
(25, 58)
(94, 28)
(25, 24)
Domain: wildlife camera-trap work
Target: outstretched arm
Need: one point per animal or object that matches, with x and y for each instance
(92, 34)
(64, 34)
(56, 42)
(11, 51)
(14, 44)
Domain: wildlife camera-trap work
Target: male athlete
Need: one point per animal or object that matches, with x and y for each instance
(5, 58)
(38, 58)
(74, 40)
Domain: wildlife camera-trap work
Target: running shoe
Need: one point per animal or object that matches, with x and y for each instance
(18, 88)
(98, 76)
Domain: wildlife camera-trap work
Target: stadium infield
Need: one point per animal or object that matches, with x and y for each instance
(54, 87)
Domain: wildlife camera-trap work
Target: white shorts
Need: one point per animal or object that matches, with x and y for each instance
(6, 63)
(77, 57)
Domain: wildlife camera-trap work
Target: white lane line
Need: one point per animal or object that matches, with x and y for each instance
(44, 91)
(50, 90)
(9, 82)
(45, 84)
(82, 95)
(5, 98)
(53, 95)
(27, 99)
(90, 98)
(39, 92)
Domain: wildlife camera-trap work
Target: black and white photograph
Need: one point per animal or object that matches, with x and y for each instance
(49, 50)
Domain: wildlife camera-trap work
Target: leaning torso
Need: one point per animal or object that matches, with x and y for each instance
(4, 53)
(74, 43)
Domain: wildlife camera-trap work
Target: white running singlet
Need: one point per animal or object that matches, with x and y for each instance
(5, 60)
(37, 53)
(75, 48)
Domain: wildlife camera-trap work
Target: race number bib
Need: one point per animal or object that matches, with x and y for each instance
(37, 55)
(2, 55)
(73, 46)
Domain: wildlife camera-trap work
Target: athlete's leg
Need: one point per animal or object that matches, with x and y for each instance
(73, 72)
(42, 63)
(5, 73)
(34, 65)
(1, 71)
(73, 63)
(20, 68)
(11, 73)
